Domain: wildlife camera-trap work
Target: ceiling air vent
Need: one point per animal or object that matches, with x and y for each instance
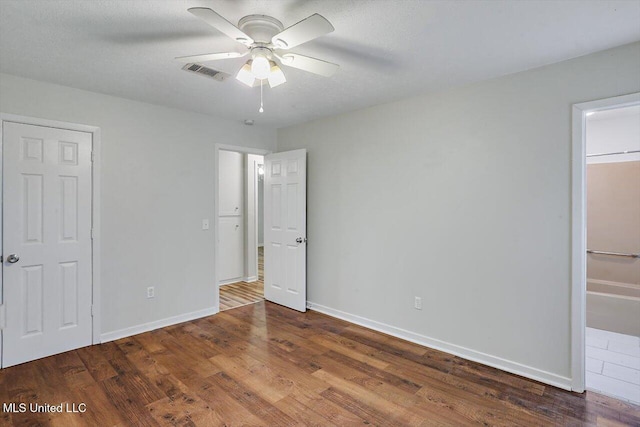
(207, 72)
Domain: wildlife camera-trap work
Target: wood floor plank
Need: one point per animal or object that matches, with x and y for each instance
(250, 400)
(423, 375)
(188, 337)
(267, 379)
(365, 403)
(265, 365)
(30, 389)
(97, 365)
(101, 411)
(377, 374)
(239, 294)
(184, 410)
(370, 413)
(303, 415)
(187, 357)
(409, 400)
(73, 370)
(349, 349)
(226, 407)
(283, 335)
(122, 392)
(335, 414)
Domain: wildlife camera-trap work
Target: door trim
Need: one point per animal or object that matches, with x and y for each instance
(95, 206)
(216, 231)
(578, 320)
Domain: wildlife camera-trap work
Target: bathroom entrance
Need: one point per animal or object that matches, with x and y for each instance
(612, 194)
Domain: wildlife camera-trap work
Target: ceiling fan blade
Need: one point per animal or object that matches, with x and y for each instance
(305, 30)
(219, 23)
(312, 65)
(210, 57)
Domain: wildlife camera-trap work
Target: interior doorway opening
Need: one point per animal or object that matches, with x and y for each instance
(613, 252)
(240, 255)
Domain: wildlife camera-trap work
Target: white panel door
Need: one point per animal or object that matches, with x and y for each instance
(231, 257)
(46, 242)
(285, 229)
(231, 183)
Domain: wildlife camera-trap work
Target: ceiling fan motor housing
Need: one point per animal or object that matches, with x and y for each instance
(261, 51)
(261, 28)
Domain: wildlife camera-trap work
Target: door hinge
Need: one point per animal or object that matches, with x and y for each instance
(93, 234)
(92, 310)
(93, 156)
(2, 317)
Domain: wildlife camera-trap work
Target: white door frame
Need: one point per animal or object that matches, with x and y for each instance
(216, 231)
(579, 229)
(95, 210)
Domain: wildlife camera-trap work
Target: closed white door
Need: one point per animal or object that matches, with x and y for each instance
(231, 257)
(47, 241)
(285, 229)
(230, 183)
(230, 217)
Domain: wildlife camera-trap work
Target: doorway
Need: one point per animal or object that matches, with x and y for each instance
(606, 247)
(239, 219)
(613, 252)
(50, 223)
(236, 221)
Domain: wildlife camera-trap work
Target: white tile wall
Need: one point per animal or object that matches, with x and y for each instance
(613, 364)
(622, 373)
(624, 348)
(594, 365)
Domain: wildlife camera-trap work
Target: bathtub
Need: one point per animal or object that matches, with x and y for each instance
(613, 306)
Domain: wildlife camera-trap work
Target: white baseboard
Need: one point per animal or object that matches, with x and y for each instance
(239, 279)
(146, 327)
(463, 352)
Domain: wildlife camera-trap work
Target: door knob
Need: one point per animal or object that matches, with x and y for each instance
(13, 258)
(301, 239)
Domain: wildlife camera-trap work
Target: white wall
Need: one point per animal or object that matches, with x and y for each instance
(461, 198)
(615, 134)
(157, 186)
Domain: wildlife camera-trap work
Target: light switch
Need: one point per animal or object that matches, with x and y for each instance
(205, 224)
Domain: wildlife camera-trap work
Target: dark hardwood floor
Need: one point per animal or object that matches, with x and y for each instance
(243, 293)
(262, 364)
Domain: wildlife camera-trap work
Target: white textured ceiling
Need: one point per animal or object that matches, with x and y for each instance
(387, 49)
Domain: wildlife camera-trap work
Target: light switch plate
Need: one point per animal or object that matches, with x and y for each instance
(205, 224)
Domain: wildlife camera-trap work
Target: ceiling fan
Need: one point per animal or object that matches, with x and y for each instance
(268, 42)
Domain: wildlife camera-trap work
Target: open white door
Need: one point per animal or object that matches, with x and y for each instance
(46, 242)
(285, 229)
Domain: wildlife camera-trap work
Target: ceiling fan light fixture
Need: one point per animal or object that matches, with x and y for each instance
(276, 76)
(260, 67)
(245, 75)
(256, 33)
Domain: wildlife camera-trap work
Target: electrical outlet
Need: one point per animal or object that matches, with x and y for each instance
(151, 292)
(417, 303)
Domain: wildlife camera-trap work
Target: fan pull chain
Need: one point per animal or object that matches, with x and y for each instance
(261, 110)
